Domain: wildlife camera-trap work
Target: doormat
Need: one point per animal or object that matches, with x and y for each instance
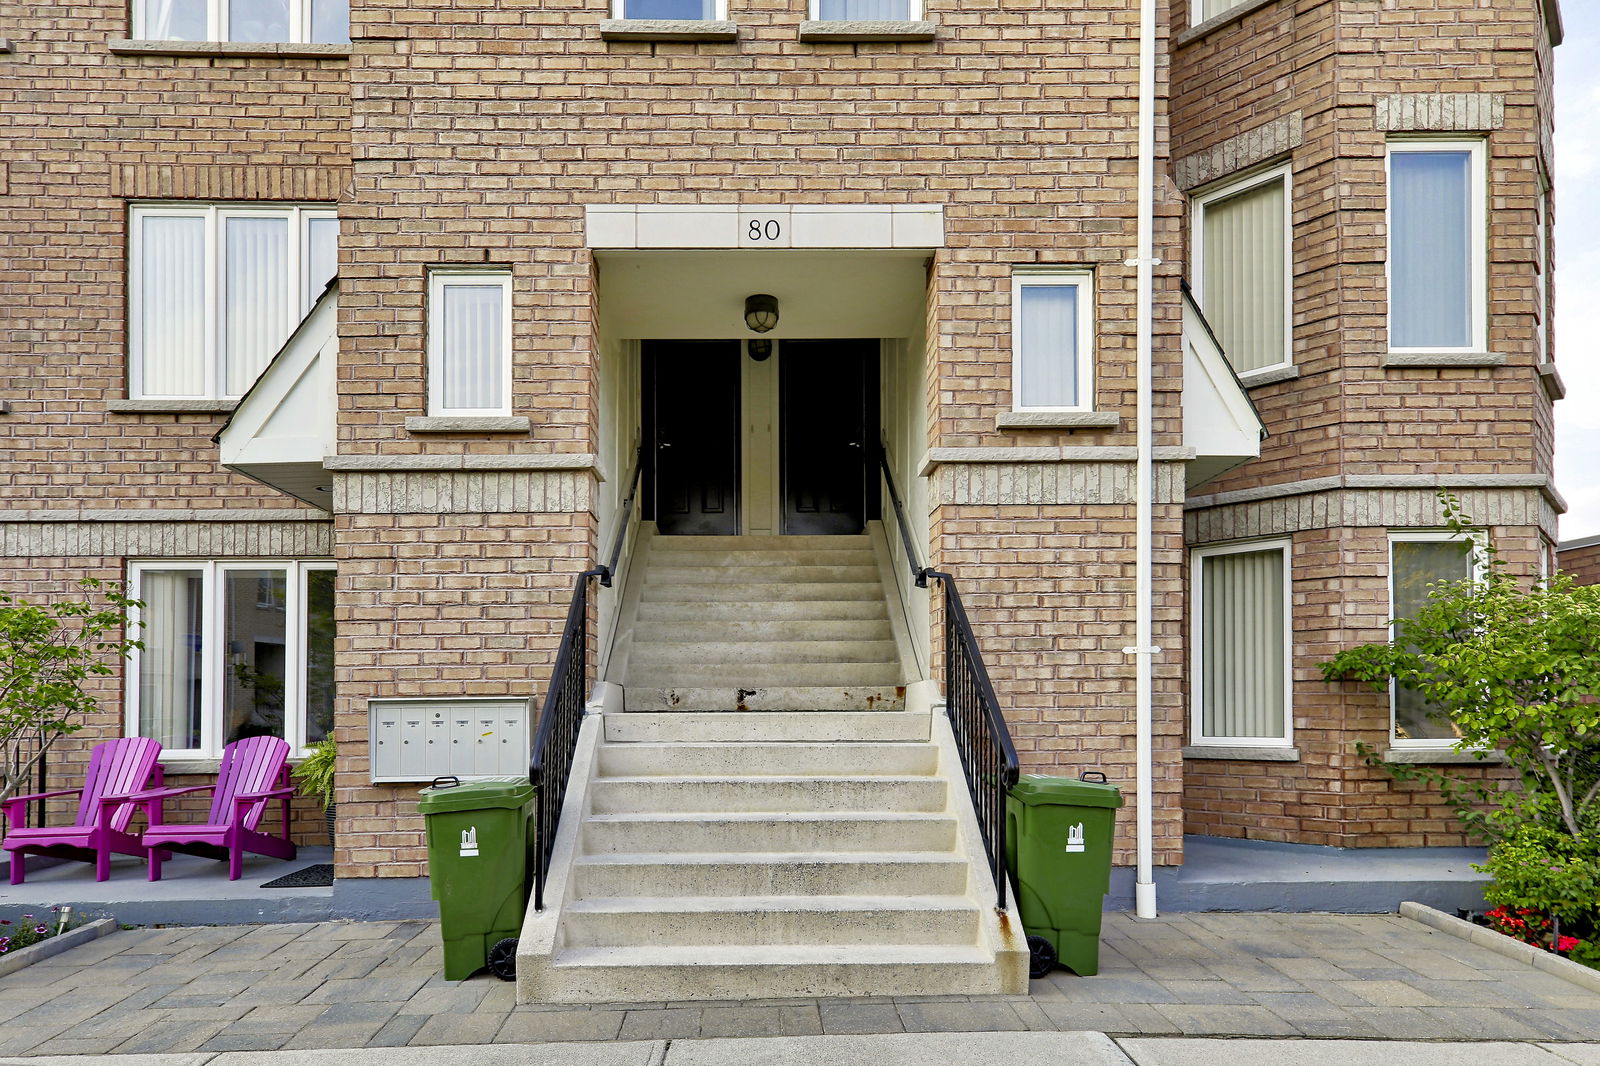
(318, 876)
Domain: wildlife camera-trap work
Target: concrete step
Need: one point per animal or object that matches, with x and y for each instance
(786, 699)
(767, 572)
(767, 557)
(857, 542)
(692, 610)
(752, 795)
(765, 651)
(811, 873)
(832, 759)
(752, 675)
(819, 920)
(843, 833)
(765, 629)
(689, 727)
(758, 591)
(608, 974)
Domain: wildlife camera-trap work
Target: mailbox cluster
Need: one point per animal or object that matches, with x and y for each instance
(419, 740)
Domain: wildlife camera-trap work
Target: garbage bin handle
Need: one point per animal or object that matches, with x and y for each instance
(1092, 775)
(449, 781)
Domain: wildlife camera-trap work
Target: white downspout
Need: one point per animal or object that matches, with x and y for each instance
(1144, 477)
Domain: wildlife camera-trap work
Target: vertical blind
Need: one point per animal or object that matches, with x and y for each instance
(894, 10)
(1242, 645)
(258, 303)
(172, 305)
(174, 20)
(1414, 565)
(1213, 8)
(1430, 249)
(169, 664)
(1244, 275)
(669, 9)
(321, 253)
(1047, 345)
(472, 347)
(330, 21)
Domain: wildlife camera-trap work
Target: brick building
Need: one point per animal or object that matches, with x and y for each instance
(1581, 559)
(547, 221)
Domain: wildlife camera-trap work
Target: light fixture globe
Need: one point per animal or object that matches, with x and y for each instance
(760, 312)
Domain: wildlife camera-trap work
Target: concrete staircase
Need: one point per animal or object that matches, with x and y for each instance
(756, 831)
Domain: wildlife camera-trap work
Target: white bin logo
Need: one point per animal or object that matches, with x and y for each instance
(469, 843)
(1075, 838)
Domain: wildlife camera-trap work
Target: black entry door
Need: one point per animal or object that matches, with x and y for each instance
(691, 412)
(828, 399)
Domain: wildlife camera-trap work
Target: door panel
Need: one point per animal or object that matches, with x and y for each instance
(828, 400)
(692, 415)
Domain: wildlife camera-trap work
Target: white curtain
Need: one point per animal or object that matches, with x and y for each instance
(1430, 247)
(1241, 645)
(473, 347)
(321, 254)
(1414, 566)
(1244, 275)
(1048, 345)
(171, 297)
(1213, 8)
(257, 297)
(893, 10)
(174, 20)
(169, 664)
(258, 20)
(330, 21)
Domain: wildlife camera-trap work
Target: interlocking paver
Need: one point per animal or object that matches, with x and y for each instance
(741, 1021)
(852, 1017)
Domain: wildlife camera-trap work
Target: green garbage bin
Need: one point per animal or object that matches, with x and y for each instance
(1058, 842)
(480, 838)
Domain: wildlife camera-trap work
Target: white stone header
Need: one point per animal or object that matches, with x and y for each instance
(636, 226)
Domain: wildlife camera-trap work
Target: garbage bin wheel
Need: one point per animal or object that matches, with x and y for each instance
(503, 959)
(1041, 957)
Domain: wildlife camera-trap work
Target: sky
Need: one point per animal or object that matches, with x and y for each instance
(1578, 267)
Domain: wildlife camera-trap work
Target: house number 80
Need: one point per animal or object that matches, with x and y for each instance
(765, 231)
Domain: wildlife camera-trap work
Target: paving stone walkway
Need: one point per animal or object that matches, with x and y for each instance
(340, 985)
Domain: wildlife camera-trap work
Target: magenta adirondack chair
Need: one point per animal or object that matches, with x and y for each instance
(116, 769)
(254, 771)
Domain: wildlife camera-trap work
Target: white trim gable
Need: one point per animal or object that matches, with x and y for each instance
(1219, 421)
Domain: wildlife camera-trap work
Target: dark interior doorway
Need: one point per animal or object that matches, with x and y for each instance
(828, 419)
(691, 416)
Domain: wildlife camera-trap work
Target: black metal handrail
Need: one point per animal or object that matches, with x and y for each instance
(988, 758)
(561, 716)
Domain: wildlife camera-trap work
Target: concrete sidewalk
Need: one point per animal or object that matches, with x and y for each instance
(213, 990)
(906, 1049)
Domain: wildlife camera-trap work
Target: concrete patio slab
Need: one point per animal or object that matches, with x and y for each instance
(1157, 1052)
(909, 1049)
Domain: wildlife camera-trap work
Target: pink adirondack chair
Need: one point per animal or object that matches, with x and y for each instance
(254, 771)
(116, 769)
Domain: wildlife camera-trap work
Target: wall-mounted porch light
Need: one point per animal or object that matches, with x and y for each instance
(760, 312)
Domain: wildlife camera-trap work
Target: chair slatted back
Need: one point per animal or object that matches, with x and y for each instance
(116, 768)
(254, 764)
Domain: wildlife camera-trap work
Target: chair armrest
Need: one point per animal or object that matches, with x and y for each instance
(15, 809)
(250, 797)
(157, 793)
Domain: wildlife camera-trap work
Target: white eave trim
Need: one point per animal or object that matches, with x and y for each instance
(763, 226)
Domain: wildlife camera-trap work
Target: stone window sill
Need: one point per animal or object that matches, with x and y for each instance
(1270, 376)
(1441, 757)
(842, 31)
(185, 407)
(467, 424)
(668, 30)
(1550, 378)
(1058, 420)
(1241, 753)
(1444, 360)
(241, 49)
(1216, 22)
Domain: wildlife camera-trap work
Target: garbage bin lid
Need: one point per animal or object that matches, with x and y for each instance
(482, 793)
(1042, 790)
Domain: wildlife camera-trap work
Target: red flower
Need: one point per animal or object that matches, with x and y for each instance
(1567, 943)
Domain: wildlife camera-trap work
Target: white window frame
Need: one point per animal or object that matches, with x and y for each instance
(1479, 562)
(1197, 585)
(619, 10)
(213, 215)
(1197, 230)
(438, 279)
(212, 667)
(1477, 253)
(217, 28)
(814, 11)
(1083, 279)
(1197, 9)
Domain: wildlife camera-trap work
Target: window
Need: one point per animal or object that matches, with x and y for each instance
(1052, 340)
(1242, 244)
(1541, 266)
(1436, 246)
(1201, 10)
(232, 650)
(469, 343)
(246, 21)
(670, 9)
(1241, 645)
(1416, 562)
(876, 10)
(214, 291)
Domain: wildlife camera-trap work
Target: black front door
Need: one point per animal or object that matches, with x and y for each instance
(691, 411)
(828, 400)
